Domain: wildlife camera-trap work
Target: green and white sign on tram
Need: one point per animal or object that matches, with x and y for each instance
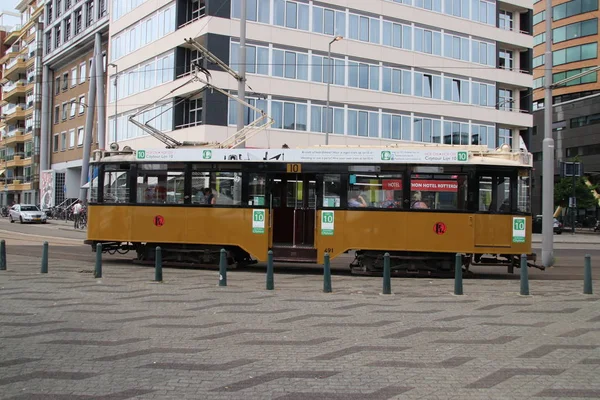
(258, 221)
(519, 230)
(327, 221)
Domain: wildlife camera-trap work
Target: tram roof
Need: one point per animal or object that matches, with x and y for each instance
(400, 154)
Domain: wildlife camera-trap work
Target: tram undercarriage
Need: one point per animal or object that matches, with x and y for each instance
(431, 264)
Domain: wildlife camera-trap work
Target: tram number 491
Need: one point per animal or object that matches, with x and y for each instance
(329, 250)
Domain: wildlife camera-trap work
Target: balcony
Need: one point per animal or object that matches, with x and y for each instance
(17, 183)
(13, 35)
(17, 160)
(14, 114)
(14, 90)
(12, 52)
(15, 67)
(16, 136)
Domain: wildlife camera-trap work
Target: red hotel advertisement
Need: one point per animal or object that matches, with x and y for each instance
(422, 185)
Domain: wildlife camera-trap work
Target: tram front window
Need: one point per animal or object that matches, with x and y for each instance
(524, 192)
(494, 194)
(331, 190)
(375, 191)
(438, 192)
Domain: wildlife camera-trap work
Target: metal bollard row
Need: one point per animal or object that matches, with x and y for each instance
(2, 255)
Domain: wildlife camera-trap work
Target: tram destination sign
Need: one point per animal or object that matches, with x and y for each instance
(423, 156)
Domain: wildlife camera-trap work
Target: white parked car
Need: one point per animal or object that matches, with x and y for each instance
(26, 213)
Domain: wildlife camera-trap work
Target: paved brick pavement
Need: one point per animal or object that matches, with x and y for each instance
(66, 335)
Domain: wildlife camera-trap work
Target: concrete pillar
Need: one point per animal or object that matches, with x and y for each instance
(87, 139)
(46, 124)
(100, 92)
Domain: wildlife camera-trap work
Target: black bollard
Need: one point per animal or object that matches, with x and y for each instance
(458, 275)
(587, 275)
(270, 279)
(98, 269)
(158, 265)
(2, 255)
(44, 269)
(524, 276)
(327, 275)
(223, 268)
(387, 281)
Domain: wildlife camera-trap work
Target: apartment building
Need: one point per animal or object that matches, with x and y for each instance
(576, 103)
(21, 95)
(73, 30)
(451, 71)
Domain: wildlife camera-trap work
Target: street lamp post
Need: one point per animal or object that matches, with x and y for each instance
(116, 98)
(329, 79)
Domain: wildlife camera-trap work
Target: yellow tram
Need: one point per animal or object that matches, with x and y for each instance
(421, 203)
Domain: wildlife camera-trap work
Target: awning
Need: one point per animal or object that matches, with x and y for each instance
(2, 171)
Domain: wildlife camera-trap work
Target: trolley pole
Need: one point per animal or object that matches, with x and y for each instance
(548, 151)
(242, 72)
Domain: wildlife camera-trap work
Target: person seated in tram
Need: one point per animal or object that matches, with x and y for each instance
(417, 202)
(209, 197)
(357, 200)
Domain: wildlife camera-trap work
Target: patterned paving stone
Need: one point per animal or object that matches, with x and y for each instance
(113, 291)
(309, 316)
(447, 301)
(414, 331)
(505, 374)
(180, 301)
(144, 296)
(187, 326)
(353, 306)
(17, 361)
(44, 299)
(498, 340)
(308, 342)
(400, 312)
(13, 314)
(578, 332)
(591, 361)
(495, 306)
(381, 394)
(147, 318)
(239, 332)
(208, 307)
(546, 349)
(31, 324)
(20, 292)
(563, 311)
(258, 312)
(377, 324)
(97, 342)
(124, 395)
(272, 376)
(50, 332)
(514, 324)
(595, 319)
(110, 312)
(449, 363)
(315, 300)
(201, 367)
(131, 354)
(358, 349)
(459, 317)
(60, 375)
(85, 304)
(568, 393)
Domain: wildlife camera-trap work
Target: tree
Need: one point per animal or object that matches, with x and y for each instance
(563, 189)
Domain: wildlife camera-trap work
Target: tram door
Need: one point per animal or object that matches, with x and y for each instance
(293, 209)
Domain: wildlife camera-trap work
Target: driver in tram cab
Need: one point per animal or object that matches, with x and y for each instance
(417, 202)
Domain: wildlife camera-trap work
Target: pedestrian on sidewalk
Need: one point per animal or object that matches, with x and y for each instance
(76, 213)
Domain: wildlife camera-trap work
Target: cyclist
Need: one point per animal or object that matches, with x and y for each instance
(77, 213)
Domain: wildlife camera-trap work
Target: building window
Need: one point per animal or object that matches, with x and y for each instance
(63, 139)
(55, 143)
(57, 36)
(73, 104)
(74, 77)
(81, 104)
(78, 20)
(65, 78)
(505, 100)
(575, 31)
(504, 136)
(57, 85)
(575, 7)
(80, 135)
(575, 53)
(505, 59)
(82, 72)
(67, 29)
(56, 114)
(505, 20)
(64, 111)
(72, 138)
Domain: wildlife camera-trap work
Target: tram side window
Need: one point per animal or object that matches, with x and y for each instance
(257, 189)
(332, 188)
(524, 192)
(93, 184)
(375, 191)
(442, 192)
(160, 184)
(116, 186)
(221, 188)
(494, 194)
